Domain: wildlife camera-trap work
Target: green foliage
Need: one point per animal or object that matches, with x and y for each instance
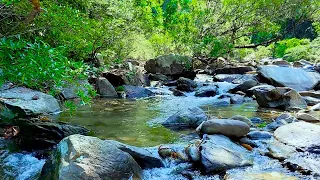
(281, 46)
(262, 125)
(36, 64)
(6, 114)
(120, 89)
(308, 51)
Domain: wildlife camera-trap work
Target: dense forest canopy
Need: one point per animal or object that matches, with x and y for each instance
(44, 43)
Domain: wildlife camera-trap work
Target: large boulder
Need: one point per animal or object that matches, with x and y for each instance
(172, 65)
(137, 92)
(280, 97)
(192, 117)
(227, 127)
(84, 157)
(142, 156)
(295, 78)
(105, 88)
(27, 102)
(301, 135)
(185, 84)
(219, 153)
(234, 78)
(35, 134)
(119, 77)
(245, 86)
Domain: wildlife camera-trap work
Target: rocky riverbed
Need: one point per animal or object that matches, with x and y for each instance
(249, 125)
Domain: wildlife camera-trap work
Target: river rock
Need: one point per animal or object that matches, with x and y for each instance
(219, 153)
(311, 101)
(84, 157)
(260, 176)
(176, 92)
(36, 134)
(243, 119)
(71, 90)
(280, 97)
(119, 77)
(207, 91)
(142, 156)
(185, 84)
(281, 63)
(175, 152)
(137, 92)
(192, 117)
(158, 77)
(245, 86)
(259, 135)
(295, 78)
(315, 107)
(306, 117)
(105, 88)
(301, 135)
(233, 78)
(281, 120)
(193, 152)
(315, 94)
(227, 127)
(24, 101)
(171, 65)
(279, 150)
(236, 99)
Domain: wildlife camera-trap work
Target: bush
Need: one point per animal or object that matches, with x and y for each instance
(37, 65)
(281, 46)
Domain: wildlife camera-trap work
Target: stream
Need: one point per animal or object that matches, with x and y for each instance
(138, 123)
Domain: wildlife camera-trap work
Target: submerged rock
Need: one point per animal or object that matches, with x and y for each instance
(192, 117)
(219, 153)
(280, 97)
(137, 92)
(227, 127)
(172, 65)
(84, 157)
(27, 102)
(185, 84)
(142, 156)
(295, 78)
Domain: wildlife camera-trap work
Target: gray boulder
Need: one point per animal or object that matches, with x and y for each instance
(192, 117)
(142, 156)
(245, 86)
(105, 88)
(207, 91)
(24, 101)
(280, 97)
(171, 65)
(185, 84)
(227, 127)
(295, 78)
(301, 135)
(219, 153)
(233, 78)
(137, 92)
(234, 70)
(84, 157)
(71, 90)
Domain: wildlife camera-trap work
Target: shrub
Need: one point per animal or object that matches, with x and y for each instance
(281, 46)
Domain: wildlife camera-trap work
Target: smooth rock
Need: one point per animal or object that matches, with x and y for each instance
(105, 88)
(24, 101)
(280, 97)
(207, 91)
(300, 135)
(118, 77)
(295, 78)
(141, 155)
(316, 107)
(158, 77)
(237, 99)
(71, 91)
(137, 92)
(245, 86)
(279, 150)
(314, 94)
(219, 153)
(84, 157)
(233, 78)
(185, 84)
(258, 135)
(176, 92)
(172, 65)
(281, 120)
(261, 176)
(311, 101)
(227, 127)
(234, 70)
(192, 117)
(306, 117)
